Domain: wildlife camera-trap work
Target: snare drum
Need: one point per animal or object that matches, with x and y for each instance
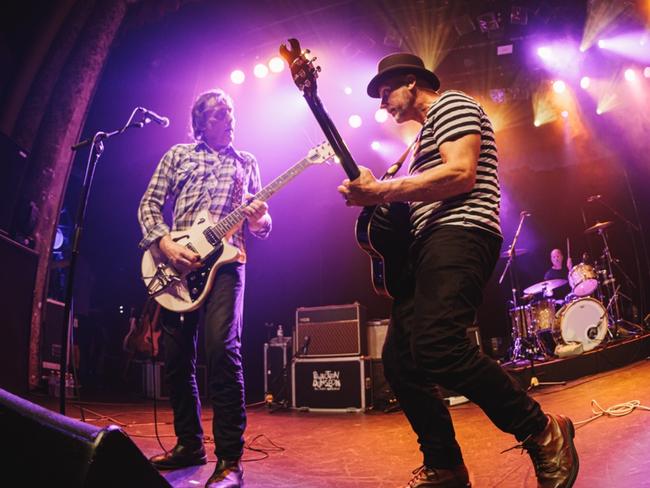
(583, 320)
(583, 279)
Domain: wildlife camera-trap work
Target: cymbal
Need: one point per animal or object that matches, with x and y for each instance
(544, 285)
(598, 226)
(519, 252)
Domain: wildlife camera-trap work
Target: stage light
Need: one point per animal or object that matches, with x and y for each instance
(237, 77)
(375, 145)
(598, 111)
(646, 72)
(347, 90)
(354, 121)
(585, 81)
(630, 74)
(601, 44)
(537, 123)
(559, 86)
(381, 115)
(260, 70)
(276, 64)
(545, 52)
(565, 114)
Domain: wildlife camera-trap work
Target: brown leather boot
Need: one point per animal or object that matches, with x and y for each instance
(227, 474)
(424, 477)
(180, 457)
(554, 454)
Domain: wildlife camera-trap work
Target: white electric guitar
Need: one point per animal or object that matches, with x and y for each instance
(184, 292)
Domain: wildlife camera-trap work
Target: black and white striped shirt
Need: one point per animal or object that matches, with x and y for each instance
(452, 116)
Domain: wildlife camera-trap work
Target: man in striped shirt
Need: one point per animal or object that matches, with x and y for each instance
(206, 174)
(453, 193)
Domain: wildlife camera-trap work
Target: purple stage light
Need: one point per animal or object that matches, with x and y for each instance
(381, 115)
(602, 44)
(646, 72)
(260, 70)
(585, 81)
(545, 52)
(276, 64)
(630, 74)
(237, 77)
(631, 45)
(559, 86)
(375, 145)
(347, 90)
(354, 121)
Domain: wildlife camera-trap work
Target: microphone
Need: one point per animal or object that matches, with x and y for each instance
(593, 198)
(524, 213)
(153, 116)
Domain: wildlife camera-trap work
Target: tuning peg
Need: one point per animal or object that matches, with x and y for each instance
(313, 59)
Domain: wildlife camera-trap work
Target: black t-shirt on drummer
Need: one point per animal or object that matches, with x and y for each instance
(558, 274)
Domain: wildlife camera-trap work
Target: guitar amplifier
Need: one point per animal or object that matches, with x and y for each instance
(333, 330)
(332, 384)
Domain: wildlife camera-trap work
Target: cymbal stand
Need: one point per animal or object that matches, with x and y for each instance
(614, 306)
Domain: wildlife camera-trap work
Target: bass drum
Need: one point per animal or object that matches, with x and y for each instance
(584, 321)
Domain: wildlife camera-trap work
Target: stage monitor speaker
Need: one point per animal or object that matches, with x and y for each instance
(44, 448)
(333, 330)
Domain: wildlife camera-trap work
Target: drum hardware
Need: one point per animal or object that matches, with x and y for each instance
(544, 286)
(609, 283)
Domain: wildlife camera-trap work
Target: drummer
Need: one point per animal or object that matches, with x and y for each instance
(558, 271)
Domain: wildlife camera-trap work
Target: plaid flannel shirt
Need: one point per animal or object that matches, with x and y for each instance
(195, 177)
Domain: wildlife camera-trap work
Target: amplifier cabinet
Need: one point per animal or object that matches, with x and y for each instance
(332, 384)
(333, 330)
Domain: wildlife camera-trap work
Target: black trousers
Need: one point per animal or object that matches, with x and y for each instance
(221, 317)
(427, 345)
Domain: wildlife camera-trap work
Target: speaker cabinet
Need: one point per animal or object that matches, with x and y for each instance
(332, 384)
(19, 265)
(333, 330)
(44, 448)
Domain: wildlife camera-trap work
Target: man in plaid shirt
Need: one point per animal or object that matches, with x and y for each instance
(208, 173)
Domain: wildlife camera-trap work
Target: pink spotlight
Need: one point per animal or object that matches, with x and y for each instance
(354, 121)
(347, 90)
(237, 77)
(585, 81)
(559, 86)
(375, 145)
(601, 43)
(381, 115)
(276, 64)
(630, 74)
(260, 70)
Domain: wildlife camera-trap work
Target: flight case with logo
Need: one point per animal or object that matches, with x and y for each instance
(332, 384)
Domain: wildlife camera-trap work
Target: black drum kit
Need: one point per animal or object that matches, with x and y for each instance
(544, 327)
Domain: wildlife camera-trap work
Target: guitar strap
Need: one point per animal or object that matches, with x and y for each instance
(395, 167)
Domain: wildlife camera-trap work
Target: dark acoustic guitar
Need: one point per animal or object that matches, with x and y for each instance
(382, 231)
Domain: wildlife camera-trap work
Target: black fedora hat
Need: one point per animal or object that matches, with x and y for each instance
(400, 63)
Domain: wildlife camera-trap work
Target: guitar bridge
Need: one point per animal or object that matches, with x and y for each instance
(164, 277)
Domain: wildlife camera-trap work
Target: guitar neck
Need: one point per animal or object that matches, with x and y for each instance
(234, 218)
(332, 134)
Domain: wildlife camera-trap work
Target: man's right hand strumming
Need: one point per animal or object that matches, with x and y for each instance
(180, 257)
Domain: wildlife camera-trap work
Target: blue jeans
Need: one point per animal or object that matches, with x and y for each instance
(427, 345)
(221, 317)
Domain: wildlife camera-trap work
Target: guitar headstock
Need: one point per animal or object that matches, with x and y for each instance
(302, 67)
(321, 153)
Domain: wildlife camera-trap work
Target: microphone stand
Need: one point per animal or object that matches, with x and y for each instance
(96, 150)
(514, 286)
